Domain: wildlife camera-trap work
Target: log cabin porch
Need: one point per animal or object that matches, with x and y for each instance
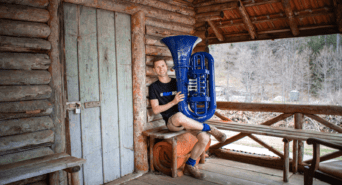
(50, 47)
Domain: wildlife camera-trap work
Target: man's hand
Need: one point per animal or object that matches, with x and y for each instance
(178, 98)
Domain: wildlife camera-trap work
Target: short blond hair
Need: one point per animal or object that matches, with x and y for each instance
(158, 58)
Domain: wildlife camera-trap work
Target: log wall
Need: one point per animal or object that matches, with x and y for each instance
(27, 129)
(157, 29)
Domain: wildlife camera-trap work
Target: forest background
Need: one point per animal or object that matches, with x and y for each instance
(267, 71)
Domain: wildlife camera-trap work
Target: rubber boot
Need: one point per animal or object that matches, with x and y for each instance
(194, 171)
(220, 136)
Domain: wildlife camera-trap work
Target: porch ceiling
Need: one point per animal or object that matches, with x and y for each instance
(246, 20)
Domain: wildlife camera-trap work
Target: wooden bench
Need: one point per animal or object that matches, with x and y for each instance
(164, 133)
(40, 166)
(286, 133)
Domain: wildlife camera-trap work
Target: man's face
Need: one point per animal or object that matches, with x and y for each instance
(160, 68)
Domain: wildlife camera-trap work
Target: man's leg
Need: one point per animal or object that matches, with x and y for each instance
(203, 139)
(180, 120)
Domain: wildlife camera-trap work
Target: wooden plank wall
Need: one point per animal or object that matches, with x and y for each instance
(26, 127)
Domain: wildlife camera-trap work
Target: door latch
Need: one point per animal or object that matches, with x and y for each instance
(76, 105)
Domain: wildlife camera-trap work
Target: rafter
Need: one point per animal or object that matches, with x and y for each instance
(217, 31)
(247, 21)
(291, 18)
(338, 14)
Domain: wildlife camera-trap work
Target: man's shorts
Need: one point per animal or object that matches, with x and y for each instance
(174, 128)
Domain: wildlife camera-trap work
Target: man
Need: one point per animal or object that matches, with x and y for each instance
(164, 99)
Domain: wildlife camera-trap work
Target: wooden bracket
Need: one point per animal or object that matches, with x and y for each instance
(246, 19)
(217, 32)
(291, 18)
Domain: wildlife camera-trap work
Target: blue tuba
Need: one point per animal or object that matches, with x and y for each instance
(195, 77)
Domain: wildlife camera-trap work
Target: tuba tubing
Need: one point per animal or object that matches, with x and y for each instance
(196, 104)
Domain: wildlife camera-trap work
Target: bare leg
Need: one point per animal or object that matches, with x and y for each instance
(180, 120)
(203, 139)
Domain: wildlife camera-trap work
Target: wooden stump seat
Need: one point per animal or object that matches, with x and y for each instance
(42, 165)
(286, 133)
(164, 134)
(330, 172)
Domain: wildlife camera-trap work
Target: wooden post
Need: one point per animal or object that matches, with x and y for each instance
(299, 118)
(75, 179)
(54, 178)
(174, 157)
(139, 94)
(74, 171)
(152, 140)
(286, 160)
(295, 157)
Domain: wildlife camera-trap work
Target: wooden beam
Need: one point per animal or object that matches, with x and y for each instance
(326, 157)
(217, 31)
(267, 161)
(270, 148)
(285, 108)
(24, 61)
(224, 118)
(208, 16)
(21, 93)
(21, 44)
(290, 16)
(24, 29)
(21, 77)
(23, 13)
(229, 140)
(169, 25)
(245, 17)
(324, 122)
(33, 3)
(217, 7)
(162, 32)
(338, 14)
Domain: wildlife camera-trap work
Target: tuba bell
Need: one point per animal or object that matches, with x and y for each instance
(195, 77)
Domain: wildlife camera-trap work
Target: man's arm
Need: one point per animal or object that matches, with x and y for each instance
(156, 108)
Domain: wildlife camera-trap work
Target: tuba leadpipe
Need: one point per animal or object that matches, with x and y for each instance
(195, 77)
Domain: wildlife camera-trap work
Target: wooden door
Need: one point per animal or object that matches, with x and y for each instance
(98, 74)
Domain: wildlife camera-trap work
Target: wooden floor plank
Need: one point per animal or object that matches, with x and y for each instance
(154, 179)
(242, 174)
(298, 179)
(185, 180)
(223, 179)
(136, 182)
(246, 166)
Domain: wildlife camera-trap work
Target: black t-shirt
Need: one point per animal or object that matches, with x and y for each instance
(164, 92)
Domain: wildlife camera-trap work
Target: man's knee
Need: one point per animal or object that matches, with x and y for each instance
(179, 117)
(203, 138)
